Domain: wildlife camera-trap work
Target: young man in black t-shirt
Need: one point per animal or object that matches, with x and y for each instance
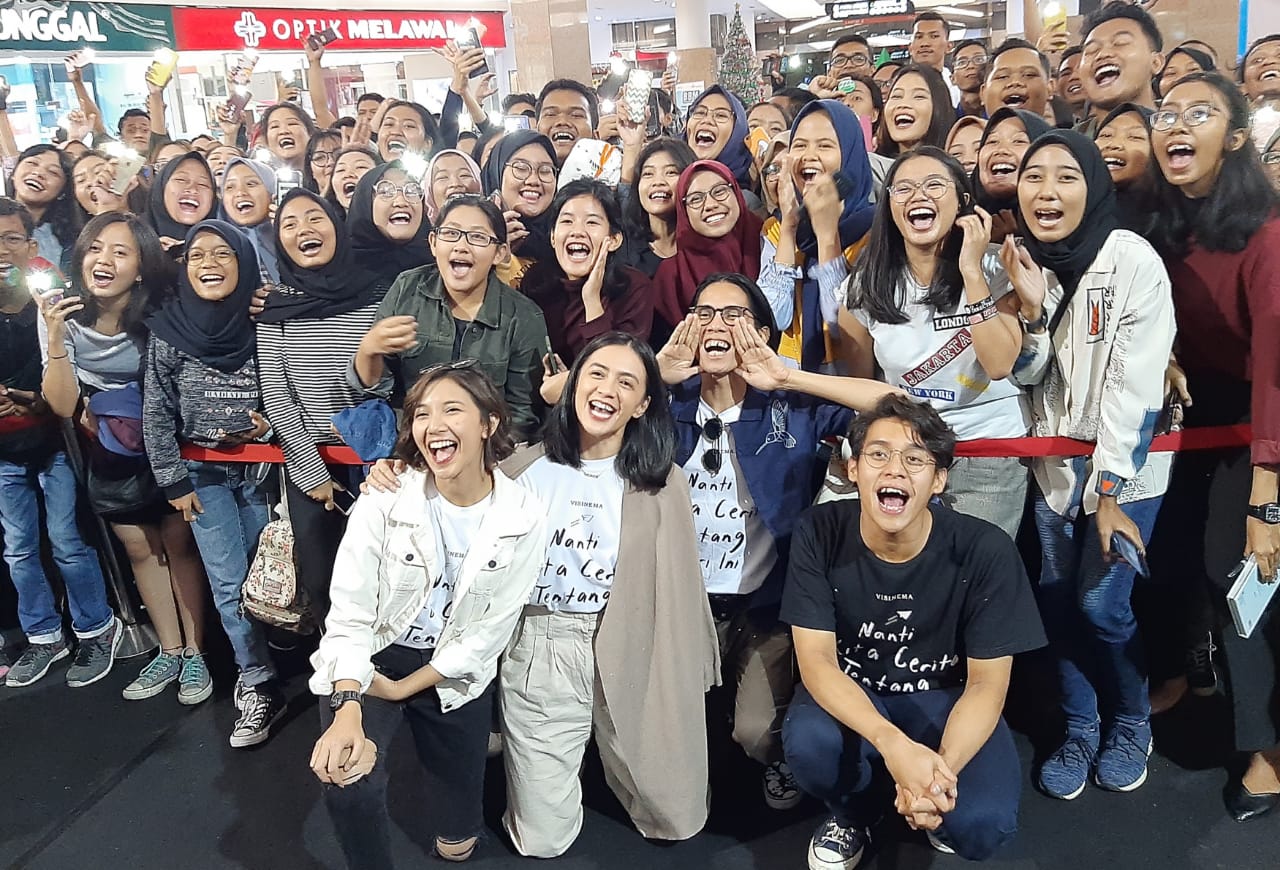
(906, 617)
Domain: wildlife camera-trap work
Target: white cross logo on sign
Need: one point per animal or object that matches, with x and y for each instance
(250, 29)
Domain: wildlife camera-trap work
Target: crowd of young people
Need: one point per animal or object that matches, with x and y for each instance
(602, 399)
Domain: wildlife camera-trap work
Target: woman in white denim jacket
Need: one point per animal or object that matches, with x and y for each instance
(1097, 310)
(427, 588)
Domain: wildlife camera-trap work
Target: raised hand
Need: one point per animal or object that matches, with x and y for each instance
(390, 336)
(678, 359)
(758, 364)
(977, 236)
(1025, 276)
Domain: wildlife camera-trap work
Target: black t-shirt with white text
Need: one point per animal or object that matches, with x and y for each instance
(909, 627)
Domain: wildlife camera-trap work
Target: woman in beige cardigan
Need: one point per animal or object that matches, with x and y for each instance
(634, 671)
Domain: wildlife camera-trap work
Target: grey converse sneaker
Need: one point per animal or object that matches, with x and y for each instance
(155, 677)
(261, 708)
(835, 847)
(35, 662)
(195, 685)
(94, 657)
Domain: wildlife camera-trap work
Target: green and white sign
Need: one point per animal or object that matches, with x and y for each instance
(51, 25)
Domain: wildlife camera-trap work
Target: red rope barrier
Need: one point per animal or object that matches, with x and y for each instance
(1200, 438)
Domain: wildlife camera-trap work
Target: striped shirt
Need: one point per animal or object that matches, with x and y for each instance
(302, 366)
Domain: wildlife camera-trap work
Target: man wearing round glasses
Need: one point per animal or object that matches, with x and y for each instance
(905, 616)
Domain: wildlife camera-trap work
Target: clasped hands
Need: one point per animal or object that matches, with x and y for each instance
(925, 788)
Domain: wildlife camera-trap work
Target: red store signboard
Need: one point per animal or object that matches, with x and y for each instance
(284, 29)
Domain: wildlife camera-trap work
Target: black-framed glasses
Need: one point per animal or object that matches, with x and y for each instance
(978, 61)
(1192, 116)
(475, 238)
(221, 256)
(719, 193)
(412, 191)
(850, 61)
(912, 460)
(729, 313)
(13, 241)
(935, 187)
(522, 169)
(713, 457)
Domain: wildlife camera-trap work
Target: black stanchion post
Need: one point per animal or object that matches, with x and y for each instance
(137, 637)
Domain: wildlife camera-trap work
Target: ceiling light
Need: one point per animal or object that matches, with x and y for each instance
(788, 9)
(963, 13)
(809, 25)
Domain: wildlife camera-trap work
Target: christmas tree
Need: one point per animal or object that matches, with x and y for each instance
(739, 71)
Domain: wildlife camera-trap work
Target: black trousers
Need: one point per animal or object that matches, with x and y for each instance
(451, 747)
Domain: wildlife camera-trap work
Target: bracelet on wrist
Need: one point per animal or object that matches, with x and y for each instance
(984, 315)
(982, 305)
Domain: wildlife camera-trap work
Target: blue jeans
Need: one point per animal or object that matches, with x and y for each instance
(844, 771)
(77, 562)
(235, 511)
(1088, 616)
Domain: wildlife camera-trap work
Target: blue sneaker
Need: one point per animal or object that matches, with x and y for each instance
(1122, 761)
(1065, 773)
(835, 847)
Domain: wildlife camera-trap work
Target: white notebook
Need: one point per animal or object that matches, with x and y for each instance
(1249, 597)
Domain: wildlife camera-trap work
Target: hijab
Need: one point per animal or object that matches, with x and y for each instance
(735, 154)
(777, 145)
(158, 215)
(433, 207)
(334, 288)
(262, 234)
(537, 245)
(219, 334)
(697, 256)
(1035, 126)
(853, 180)
(1069, 258)
(376, 256)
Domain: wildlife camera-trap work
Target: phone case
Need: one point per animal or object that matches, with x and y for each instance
(161, 70)
(469, 39)
(129, 165)
(241, 71)
(638, 84)
(758, 143)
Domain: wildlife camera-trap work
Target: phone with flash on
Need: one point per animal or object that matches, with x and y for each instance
(511, 123)
(286, 180)
(469, 38)
(47, 285)
(161, 70)
(128, 164)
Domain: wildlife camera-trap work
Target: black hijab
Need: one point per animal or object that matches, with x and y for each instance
(219, 334)
(334, 288)
(158, 215)
(376, 256)
(538, 243)
(1035, 125)
(1069, 258)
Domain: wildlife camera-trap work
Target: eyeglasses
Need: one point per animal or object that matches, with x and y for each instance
(719, 193)
(475, 238)
(411, 189)
(729, 314)
(522, 169)
(221, 256)
(13, 241)
(912, 460)
(854, 61)
(713, 458)
(720, 116)
(935, 187)
(977, 60)
(323, 158)
(1192, 116)
(1271, 158)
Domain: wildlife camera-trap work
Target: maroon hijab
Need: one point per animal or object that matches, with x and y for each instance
(698, 256)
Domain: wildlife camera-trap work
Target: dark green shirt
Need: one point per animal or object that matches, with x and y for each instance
(508, 337)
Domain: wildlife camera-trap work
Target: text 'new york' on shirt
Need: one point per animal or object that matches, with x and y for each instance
(457, 528)
(909, 627)
(735, 549)
(585, 509)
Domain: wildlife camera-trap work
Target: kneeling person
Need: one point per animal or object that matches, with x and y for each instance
(905, 617)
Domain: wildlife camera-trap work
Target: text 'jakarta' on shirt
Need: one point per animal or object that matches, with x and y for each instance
(736, 551)
(909, 627)
(585, 508)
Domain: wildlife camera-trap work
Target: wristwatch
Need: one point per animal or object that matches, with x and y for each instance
(1268, 513)
(1036, 326)
(337, 699)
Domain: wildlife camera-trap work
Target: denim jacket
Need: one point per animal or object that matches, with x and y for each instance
(775, 442)
(508, 338)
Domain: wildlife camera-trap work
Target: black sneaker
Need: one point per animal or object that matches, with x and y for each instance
(1202, 677)
(835, 847)
(94, 657)
(261, 708)
(35, 662)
